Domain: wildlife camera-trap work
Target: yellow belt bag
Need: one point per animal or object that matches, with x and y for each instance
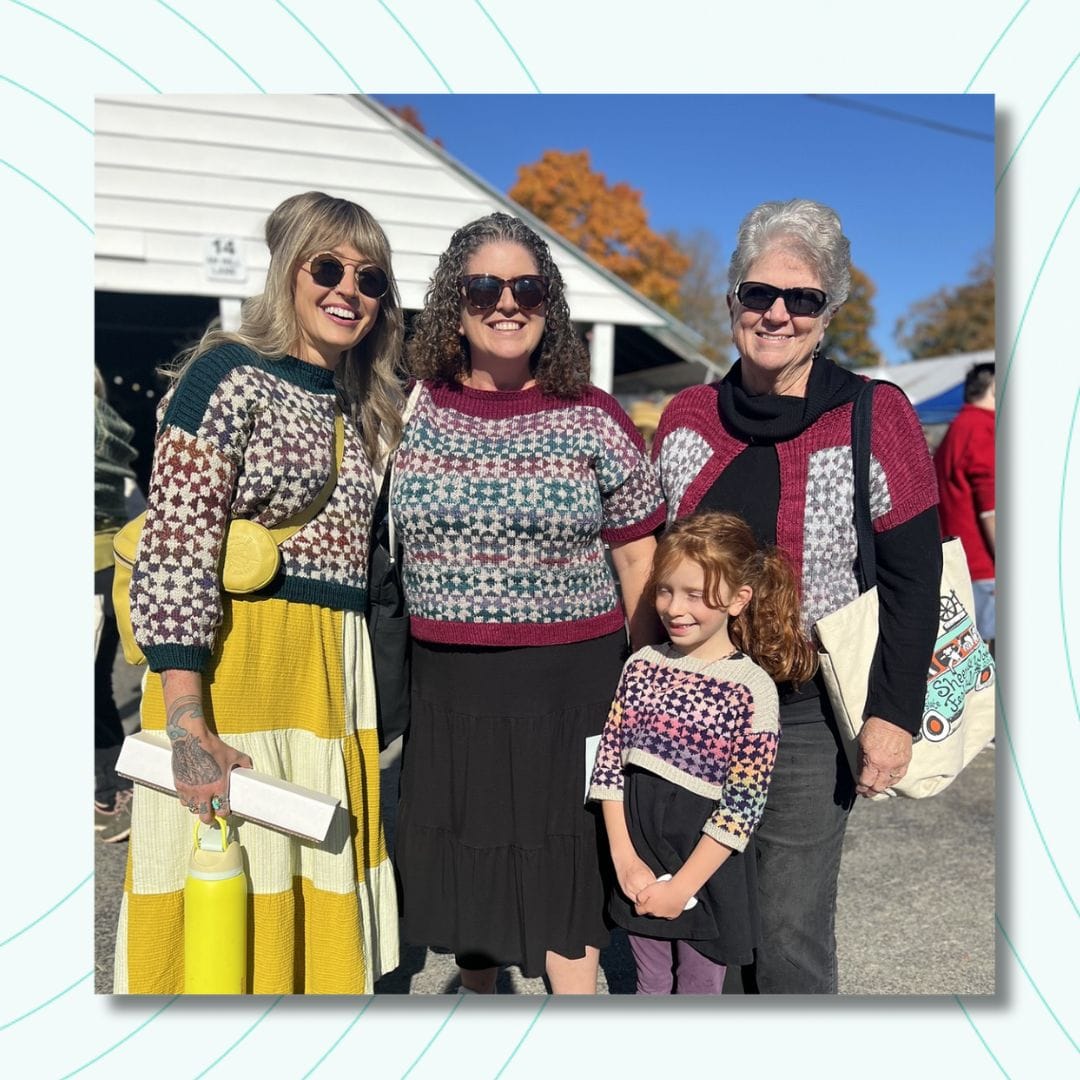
(249, 560)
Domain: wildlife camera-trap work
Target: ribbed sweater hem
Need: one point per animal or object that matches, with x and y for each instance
(516, 634)
(308, 591)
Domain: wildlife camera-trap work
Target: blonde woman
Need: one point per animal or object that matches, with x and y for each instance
(279, 680)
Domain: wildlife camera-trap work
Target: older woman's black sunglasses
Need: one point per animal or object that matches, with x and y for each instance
(328, 270)
(757, 296)
(482, 291)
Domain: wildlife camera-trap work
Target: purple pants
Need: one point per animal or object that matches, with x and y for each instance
(660, 963)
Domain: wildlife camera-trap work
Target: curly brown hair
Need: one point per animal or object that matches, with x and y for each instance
(768, 629)
(436, 350)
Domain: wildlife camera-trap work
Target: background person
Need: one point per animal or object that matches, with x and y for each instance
(511, 476)
(772, 443)
(688, 751)
(117, 499)
(281, 679)
(965, 474)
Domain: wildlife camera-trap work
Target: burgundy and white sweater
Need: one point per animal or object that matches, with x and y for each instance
(711, 728)
(503, 501)
(814, 523)
(241, 436)
(713, 449)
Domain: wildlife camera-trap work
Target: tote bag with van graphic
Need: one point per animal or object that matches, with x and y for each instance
(958, 714)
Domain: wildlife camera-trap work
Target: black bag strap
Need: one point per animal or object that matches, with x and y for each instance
(861, 413)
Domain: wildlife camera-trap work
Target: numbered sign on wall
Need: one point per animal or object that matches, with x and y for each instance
(224, 259)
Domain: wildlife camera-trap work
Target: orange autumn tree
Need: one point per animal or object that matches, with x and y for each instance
(411, 116)
(607, 221)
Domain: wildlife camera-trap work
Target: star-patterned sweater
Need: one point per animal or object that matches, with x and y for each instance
(503, 501)
(709, 727)
(241, 436)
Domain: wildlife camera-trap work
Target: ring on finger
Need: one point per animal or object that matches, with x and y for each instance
(216, 802)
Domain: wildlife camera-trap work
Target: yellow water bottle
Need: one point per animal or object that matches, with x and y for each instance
(215, 914)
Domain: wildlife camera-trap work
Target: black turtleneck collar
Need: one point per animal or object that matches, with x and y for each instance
(770, 418)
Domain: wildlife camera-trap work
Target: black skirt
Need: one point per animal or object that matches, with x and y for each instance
(664, 822)
(498, 856)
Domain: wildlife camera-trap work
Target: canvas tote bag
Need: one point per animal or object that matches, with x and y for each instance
(958, 714)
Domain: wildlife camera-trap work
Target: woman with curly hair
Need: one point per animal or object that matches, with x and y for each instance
(512, 475)
(279, 680)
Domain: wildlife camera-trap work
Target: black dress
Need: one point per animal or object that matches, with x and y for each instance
(500, 858)
(664, 821)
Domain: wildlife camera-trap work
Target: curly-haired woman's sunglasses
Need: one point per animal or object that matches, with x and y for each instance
(328, 270)
(482, 291)
(757, 296)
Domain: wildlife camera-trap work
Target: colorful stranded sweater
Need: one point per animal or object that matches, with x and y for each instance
(503, 501)
(242, 436)
(711, 728)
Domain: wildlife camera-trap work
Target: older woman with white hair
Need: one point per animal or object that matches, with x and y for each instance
(772, 443)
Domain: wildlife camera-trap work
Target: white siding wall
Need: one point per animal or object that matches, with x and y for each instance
(172, 171)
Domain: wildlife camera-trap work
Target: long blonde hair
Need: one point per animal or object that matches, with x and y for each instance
(368, 378)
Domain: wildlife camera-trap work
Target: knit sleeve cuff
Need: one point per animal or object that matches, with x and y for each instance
(639, 530)
(598, 793)
(178, 657)
(722, 836)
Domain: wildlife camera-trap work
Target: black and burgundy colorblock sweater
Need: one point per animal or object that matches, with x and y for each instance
(785, 465)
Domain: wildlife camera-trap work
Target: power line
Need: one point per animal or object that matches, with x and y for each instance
(894, 114)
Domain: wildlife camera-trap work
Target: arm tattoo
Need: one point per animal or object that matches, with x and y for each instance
(181, 709)
(191, 764)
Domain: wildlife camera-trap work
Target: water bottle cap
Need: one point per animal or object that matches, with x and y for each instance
(214, 859)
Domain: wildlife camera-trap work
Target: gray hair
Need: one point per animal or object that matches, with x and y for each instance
(807, 229)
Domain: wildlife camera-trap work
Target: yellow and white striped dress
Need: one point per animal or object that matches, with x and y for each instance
(286, 679)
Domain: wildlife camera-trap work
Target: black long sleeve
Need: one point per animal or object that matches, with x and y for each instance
(908, 579)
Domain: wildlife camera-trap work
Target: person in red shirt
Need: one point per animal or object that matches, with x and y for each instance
(965, 472)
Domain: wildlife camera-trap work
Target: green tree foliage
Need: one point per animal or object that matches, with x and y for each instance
(847, 339)
(955, 319)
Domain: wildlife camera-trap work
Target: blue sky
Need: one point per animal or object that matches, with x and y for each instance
(916, 201)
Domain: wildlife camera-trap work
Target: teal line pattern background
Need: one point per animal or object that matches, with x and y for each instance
(1061, 555)
(1027, 303)
(337, 1042)
(1035, 118)
(318, 41)
(419, 48)
(46, 101)
(51, 194)
(206, 37)
(506, 40)
(993, 48)
(1013, 58)
(90, 41)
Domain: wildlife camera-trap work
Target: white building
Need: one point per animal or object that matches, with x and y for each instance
(183, 188)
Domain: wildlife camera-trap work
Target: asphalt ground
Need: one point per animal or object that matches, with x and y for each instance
(915, 910)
